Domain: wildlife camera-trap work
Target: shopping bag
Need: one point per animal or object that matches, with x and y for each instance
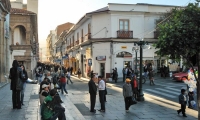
(133, 101)
(193, 103)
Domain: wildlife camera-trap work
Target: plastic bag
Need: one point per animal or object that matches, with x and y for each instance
(193, 103)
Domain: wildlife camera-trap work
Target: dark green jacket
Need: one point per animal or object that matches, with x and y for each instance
(46, 111)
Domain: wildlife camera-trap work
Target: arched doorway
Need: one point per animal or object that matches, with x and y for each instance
(19, 35)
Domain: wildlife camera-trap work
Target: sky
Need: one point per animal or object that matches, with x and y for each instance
(55, 12)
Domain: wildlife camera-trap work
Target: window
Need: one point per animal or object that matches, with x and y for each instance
(124, 25)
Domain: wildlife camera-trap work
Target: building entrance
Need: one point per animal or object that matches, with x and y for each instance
(102, 69)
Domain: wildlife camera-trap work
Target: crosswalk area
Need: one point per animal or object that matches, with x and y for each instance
(165, 90)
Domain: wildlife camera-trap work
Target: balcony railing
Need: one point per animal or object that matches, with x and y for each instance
(87, 37)
(124, 34)
(156, 34)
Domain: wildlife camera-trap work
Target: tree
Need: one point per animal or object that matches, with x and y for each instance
(179, 36)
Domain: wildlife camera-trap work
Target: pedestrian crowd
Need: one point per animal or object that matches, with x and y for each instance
(51, 103)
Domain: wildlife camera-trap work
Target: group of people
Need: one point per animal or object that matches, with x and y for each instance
(18, 76)
(93, 92)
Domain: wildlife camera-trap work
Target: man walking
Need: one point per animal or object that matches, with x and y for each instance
(101, 87)
(93, 93)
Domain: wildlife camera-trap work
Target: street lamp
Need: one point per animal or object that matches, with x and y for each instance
(135, 48)
(141, 43)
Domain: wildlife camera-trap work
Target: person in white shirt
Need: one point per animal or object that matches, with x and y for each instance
(101, 87)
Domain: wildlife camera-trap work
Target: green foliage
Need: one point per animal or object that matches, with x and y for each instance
(179, 34)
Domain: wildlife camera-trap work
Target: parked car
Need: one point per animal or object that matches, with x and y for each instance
(180, 76)
(32, 81)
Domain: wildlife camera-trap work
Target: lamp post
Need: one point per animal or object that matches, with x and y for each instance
(141, 94)
(136, 50)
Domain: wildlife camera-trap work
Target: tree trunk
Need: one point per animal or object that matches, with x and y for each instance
(198, 86)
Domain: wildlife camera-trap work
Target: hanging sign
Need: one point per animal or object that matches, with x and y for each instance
(101, 58)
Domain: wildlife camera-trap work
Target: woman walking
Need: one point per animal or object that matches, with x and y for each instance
(63, 84)
(24, 79)
(127, 93)
(151, 75)
(15, 85)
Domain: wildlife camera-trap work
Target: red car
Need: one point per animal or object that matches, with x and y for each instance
(181, 75)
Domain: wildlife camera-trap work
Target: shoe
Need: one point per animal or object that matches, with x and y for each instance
(99, 110)
(184, 116)
(178, 112)
(19, 108)
(94, 111)
(127, 111)
(22, 104)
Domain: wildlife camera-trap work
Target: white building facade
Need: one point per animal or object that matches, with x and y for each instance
(104, 39)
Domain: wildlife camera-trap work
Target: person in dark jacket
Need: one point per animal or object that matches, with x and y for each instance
(24, 79)
(93, 93)
(14, 76)
(183, 102)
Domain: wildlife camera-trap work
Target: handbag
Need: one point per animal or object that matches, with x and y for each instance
(133, 101)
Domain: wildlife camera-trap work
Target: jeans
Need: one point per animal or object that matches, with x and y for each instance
(63, 87)
(69, 79)
(22, 92)
(145, 74)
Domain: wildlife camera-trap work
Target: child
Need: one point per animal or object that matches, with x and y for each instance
(134, 85)
(182, 101)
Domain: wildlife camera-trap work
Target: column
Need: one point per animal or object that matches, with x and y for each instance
(28, 37)
(2, 65)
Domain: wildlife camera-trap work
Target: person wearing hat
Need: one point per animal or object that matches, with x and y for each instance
(63, 82)
(44, 93)
(183, 102)
(127, 93)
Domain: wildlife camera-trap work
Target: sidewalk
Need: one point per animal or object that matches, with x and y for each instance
(153, 108)
(31, 108)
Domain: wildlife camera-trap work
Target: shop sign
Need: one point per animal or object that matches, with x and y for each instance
(101, 58)
(89, 62)
(123, 47)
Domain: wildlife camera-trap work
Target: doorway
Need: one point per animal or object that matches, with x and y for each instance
(127, 64)
(102, 69)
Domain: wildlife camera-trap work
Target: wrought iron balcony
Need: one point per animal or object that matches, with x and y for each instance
(124, 34)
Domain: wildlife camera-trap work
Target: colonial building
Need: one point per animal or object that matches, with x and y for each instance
(54, 42)
(24, 46)
(104, 39)
(4, 36)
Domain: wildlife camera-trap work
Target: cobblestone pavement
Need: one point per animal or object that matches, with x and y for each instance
(77, 105)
